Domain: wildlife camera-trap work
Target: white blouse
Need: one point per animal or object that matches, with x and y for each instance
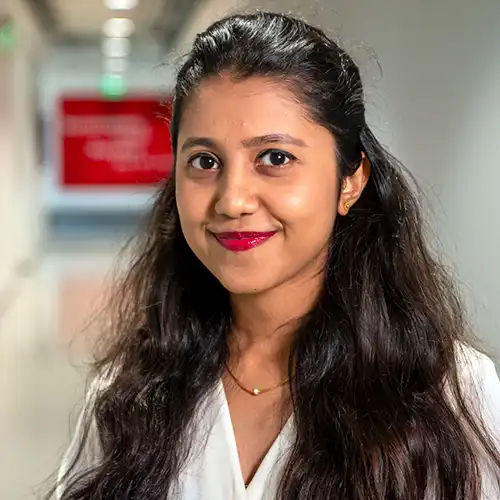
(213, 472)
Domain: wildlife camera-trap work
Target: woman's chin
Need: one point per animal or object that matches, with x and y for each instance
(245, 284)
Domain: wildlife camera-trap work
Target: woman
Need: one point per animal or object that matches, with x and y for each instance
(285, 332)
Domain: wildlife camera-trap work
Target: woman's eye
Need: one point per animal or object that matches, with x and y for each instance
(204, 162)
(275, 158)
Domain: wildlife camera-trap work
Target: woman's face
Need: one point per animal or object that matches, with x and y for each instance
(256, 184)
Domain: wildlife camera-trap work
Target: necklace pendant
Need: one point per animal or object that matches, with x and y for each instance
(256, 392)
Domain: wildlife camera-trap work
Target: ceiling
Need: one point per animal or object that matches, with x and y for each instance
(80, 21)
(84, 19)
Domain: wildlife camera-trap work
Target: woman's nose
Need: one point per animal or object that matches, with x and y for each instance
(235, 195)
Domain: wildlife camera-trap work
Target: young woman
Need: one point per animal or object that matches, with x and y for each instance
(284, 331)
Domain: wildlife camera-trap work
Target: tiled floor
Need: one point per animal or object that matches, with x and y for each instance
(43, 350)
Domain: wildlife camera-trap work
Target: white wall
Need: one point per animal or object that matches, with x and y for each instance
(7, 259)
(207, 12)
(437, 106)
(20, 221)
(71, 70)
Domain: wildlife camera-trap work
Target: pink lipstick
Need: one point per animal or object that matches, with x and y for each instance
(242, 241)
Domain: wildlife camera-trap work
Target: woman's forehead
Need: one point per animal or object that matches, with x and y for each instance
(223, 93)
(253, 107)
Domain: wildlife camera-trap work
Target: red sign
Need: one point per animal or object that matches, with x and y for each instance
(115, 143)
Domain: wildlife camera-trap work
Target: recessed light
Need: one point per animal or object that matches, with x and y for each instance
(116, 47)
(118, 27)
(115, 65)
(121, 4)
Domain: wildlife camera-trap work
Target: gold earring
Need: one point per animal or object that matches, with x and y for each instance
(347, 207)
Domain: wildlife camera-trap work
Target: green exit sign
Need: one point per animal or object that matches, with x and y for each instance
(113, 86)
(7, 34)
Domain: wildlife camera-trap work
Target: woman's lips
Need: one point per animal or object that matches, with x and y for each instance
(242, 241)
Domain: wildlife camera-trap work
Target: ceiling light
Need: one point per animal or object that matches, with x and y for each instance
(118, 27)
(121, 4)
(115, 65)
(116, 47)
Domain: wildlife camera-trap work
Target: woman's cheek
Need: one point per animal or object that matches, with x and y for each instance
(308, 202)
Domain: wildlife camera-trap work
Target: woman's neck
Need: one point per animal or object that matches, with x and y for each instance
(265, 323)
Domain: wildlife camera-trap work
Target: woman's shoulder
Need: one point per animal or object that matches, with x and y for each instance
(480, 385)
(475, 368)
(84, 449)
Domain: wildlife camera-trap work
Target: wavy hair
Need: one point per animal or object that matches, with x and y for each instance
(379, 409)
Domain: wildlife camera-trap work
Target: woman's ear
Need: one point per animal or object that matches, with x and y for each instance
(353, 186)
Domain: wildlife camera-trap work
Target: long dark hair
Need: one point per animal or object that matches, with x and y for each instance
(378, 403)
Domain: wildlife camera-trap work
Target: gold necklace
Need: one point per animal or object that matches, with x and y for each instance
(256, 391)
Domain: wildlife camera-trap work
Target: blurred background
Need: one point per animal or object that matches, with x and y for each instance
(84, 106)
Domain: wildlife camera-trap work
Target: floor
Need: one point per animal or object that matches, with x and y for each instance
(44, 350)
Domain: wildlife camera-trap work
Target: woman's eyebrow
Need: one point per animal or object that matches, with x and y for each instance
(193, 142)
(273, 139)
